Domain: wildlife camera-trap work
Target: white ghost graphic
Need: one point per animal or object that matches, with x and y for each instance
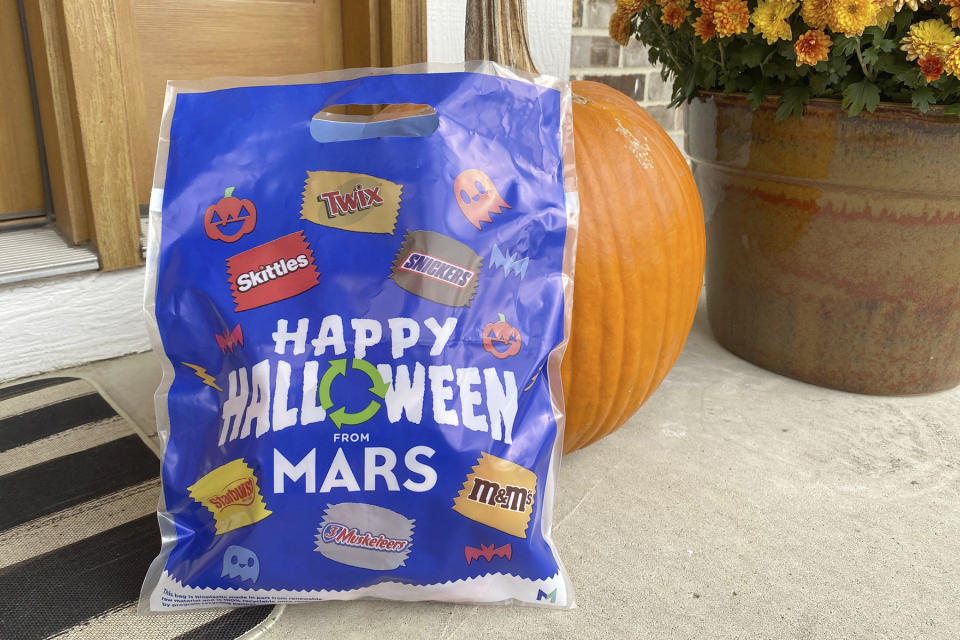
(239, 562)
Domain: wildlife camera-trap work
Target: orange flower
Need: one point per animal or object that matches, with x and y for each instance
(816, 13)
(770, 19)
(674, 13)
(731, 17)
(932, 67)
(631, 7)
(954, 12)
(851, 17)
(952, 62)
(930, 38)
(812, 47)
(620, 27)
(703, 26)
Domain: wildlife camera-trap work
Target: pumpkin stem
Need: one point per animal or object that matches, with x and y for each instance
(496, 30)
(228, 192)
(502, 317)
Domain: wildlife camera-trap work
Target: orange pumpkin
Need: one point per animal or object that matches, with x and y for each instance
(226, 213)
(641, 244)
(501, 332)
(639, 266)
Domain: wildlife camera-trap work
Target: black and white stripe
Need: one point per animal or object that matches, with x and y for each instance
(78, 524)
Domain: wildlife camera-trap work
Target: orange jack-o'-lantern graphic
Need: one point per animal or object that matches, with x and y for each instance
(501, 333)
(477, 196)
(230, 218)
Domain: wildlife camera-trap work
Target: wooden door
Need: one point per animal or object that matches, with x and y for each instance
(21, 183)
(102, 67)
(191, 39)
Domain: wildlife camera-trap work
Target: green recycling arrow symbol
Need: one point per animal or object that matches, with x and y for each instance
(336, 368)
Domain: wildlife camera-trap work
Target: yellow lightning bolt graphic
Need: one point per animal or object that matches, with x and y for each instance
(208, 379)
(535, 376)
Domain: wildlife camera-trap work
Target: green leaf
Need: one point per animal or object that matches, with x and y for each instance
(910, 76)
(730, 84)
(792, 102)
(902, 20)
(871, 56)
(818, 84)
(710, 78)
(859, 96)
(753, 55)
(953, 109)
(845, 46)
(923, 98)
(757, 96)
(884, 44)
(686, 83)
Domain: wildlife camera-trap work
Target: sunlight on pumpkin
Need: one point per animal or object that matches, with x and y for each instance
(639, 263)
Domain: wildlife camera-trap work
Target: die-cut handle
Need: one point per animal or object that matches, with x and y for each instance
(342, 123)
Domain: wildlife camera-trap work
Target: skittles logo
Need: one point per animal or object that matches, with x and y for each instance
(230, 218)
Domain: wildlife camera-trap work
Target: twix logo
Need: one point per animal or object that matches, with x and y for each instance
(351, 201)
(340, 203)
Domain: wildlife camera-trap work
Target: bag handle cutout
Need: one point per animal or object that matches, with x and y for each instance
(345, 122)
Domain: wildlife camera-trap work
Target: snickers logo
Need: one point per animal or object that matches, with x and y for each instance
(438, 268)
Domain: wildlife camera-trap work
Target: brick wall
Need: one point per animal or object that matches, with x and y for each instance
(595, 56)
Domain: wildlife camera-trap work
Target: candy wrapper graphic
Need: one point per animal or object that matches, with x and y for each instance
(498, 494)
(231, 493)
(361, 313)
(365, 535)
(351, 201)
(438, 268)
(274, 271)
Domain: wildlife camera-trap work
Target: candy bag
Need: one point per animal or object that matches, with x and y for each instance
(361, 313)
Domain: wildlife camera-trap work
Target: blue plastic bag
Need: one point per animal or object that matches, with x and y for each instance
(361, 320)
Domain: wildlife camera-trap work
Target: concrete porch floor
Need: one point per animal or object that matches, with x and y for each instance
(734, 504)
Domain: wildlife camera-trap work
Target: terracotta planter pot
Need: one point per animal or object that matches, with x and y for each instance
(833, 243)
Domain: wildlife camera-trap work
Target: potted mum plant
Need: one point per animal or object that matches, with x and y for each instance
(824, 137)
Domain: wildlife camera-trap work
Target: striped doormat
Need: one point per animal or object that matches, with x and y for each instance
(78, 523)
